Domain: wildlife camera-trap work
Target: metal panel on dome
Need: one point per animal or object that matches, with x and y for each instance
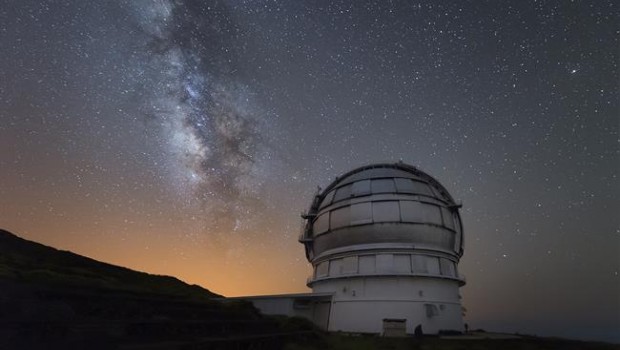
(448, 220)
(413, 186)
(361, 213)
(385, 263)
(349, 264)
(418, 263)
(404, 185)
(335, 267)
(402, 263)
(383, 186)
(446, 266)
(432, 264)
(360, 188)
(367, 264)
(321, 224)
(340, 217)
(322, 269)
(413, 211)
(386, 211)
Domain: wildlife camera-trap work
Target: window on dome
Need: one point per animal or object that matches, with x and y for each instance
(343, 192)
(360, 188)
(383, 186)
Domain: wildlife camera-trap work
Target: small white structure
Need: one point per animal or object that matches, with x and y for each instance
(384, 241)
(315, 307)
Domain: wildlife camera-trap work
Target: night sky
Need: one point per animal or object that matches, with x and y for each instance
(186, 137)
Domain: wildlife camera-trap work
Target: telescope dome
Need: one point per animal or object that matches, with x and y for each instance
(390, 205)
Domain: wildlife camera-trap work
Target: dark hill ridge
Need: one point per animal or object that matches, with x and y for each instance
(27, 261)
(53, 299)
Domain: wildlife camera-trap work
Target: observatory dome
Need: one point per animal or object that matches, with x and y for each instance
(383, 206)
(384, 241)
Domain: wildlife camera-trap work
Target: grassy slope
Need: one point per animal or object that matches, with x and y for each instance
(52, 299)
(30, 262)
(343, 342)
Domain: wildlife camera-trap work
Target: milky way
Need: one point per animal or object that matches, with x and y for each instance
(210, 121)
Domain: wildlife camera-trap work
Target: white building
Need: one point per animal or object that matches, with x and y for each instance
(384, 241)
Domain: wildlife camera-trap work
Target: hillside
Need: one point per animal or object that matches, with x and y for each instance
(26, 261)
(335, 341)
(52, 299)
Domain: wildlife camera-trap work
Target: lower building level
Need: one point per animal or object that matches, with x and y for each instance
(382, 305)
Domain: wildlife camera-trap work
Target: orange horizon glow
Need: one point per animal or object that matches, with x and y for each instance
(224, 271)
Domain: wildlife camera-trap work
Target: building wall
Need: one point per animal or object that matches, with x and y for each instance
(274, 306)
(315, 309)
(360, 304)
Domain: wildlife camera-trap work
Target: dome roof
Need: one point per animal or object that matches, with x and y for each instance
(388, 204)
(394, 171)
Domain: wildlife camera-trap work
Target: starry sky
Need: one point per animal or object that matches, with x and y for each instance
(185, 137)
